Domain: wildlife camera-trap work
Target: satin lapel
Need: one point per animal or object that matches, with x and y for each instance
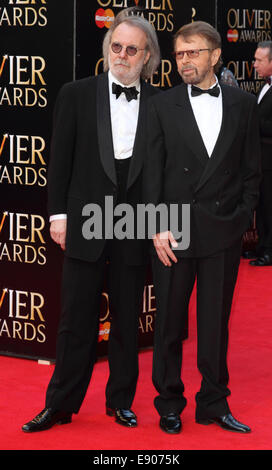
(104, 127)
(228, 131)
(188, 125)
(139, 143)
(267, 95)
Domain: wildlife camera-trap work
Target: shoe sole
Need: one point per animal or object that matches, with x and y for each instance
(126, 425)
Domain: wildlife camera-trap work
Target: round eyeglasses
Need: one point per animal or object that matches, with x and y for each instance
(116, 47)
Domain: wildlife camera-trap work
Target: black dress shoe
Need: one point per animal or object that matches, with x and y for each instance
(171, 423)
(264, 260)
(227, 422)
(123, 416)
(46, 419)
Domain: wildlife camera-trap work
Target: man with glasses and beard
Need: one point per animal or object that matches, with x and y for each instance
(98, 149)
(203, 150)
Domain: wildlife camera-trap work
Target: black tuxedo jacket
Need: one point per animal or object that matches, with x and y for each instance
(265, 112)
(82, 167)
(222, 190)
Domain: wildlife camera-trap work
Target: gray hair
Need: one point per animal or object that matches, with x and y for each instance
(129, 17)
(264, 45)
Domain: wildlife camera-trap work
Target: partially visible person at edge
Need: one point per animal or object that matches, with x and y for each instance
(262, 255)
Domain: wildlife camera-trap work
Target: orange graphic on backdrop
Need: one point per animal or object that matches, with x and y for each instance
(3, 143)
(110, 17)
(104, 18)
(3, 220)
(3, 63)
(3, 296)
(104, 330)
(232, 35)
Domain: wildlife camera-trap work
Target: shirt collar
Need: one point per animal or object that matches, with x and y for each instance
(112, 79)
(212, 86)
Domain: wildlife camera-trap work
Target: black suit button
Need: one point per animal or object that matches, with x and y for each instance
(217, 203)
(186, 170)
(194, 201)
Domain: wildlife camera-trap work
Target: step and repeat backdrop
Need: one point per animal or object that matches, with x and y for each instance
(37, 43)
(45, 43)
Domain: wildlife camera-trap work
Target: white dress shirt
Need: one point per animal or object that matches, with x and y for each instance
(208, 112)
(124, 119)
(263, 91)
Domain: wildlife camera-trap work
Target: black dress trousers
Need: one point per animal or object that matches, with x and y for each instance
(82, 285)
(215, 277)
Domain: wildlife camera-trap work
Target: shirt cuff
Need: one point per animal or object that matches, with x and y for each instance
(57, 217)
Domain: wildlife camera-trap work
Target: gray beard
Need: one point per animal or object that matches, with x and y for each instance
(131, 75)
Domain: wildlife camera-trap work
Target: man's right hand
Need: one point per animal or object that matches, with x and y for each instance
(58, 231)
(162, 243)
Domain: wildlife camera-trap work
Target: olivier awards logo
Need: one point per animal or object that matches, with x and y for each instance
(22, 161)
(248, 25)
(27, 13)
(161, 15)
(22, 81)
(21, 238)
(245, 72)
(21, 315)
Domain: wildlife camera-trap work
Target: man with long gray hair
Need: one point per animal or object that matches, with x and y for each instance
(98, 149)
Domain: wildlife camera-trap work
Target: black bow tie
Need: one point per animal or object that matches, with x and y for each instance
(131, 92)
(268, 80)
(215, 91)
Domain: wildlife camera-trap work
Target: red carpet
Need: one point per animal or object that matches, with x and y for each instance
(23, 385)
